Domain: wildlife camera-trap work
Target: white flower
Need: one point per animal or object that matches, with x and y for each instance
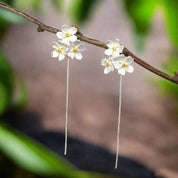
(59, 50)
(67, 35)
(123, 64)
(114, 48)
(109, 67)
(75, 50)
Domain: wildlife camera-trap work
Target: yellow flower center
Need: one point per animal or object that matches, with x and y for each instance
(107, 64)
(124, 64)
(67, 35)
(75, 50)
(114, 48)
(59, 50)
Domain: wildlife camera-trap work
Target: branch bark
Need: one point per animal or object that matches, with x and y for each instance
(43, 27)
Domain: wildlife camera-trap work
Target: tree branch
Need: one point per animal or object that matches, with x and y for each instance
(43, 27)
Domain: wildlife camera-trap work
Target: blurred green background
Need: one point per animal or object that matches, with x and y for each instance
(31, 158)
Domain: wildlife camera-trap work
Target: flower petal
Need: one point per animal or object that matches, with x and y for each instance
(117, 64)
(108, 70)
(103, 62)
(72, 30)
(54, 54)
(121, 71)
(109, 44)
(60, 35)
(129, 60)
(81, 47)
(121, 58)
(65, 28)
(76, 43)
(71, 54)
(61, 56)
(121, 48)
(112, 68)
(129, 69)
(108, 52)
(60, 43)
(55, 45)
(116, 54)
(66, 41)
(117, 41)
(73, 38)
(78, 56)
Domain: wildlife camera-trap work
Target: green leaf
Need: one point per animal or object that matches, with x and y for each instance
(3, 99)
(141, 13)
(171, 15)
(29, 4)
(31, 155)
(6, 74)
(167, 87)
(58, 4)
(6, 82)
(21, 95)
(13, 91)
(80, 10)
(9, 2)
(10, 17)
(4, 14)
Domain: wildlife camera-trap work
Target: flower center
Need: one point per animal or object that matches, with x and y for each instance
(75, 50)
(107, 64)
(59, 50)
(115, 48)
(67, 35)
(124, 64)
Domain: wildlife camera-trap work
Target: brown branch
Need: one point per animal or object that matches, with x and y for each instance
(43, 27)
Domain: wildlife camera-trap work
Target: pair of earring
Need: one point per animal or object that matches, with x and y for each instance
(68, 45)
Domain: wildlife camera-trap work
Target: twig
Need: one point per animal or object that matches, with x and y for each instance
(43, 27)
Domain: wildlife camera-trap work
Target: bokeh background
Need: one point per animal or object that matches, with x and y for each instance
(32, 90)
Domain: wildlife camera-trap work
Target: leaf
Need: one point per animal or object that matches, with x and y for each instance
(6, 74)
(21, 95)
(80, 10)
(4, 22)
(171, 15)
(58, 4)
(167, 88)
(141, 13)
(31, 155)
(12, 90)
(29, 4)
(9, 2)
(10, 17)
(3, 99)
(6, 82)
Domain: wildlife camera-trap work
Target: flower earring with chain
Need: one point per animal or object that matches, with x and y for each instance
(69, 46)
(116, 60)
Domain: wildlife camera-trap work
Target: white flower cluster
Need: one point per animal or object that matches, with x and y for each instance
(67, 44)
(122, 64)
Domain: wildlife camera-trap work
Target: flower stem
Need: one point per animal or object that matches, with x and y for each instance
(67, 106)
(119, 117)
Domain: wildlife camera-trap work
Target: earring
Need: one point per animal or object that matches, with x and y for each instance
(69, 46)
(123, 65)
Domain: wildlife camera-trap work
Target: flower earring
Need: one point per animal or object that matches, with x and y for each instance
(123, 65)
(67, 45)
